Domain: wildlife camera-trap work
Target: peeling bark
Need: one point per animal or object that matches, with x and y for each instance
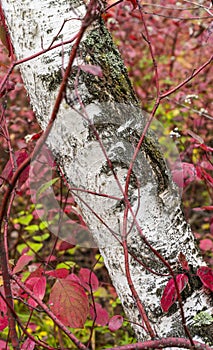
(113, 111)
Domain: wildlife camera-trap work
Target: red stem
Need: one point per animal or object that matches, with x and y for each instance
(185, 81)
(135, 294)
(163, 343)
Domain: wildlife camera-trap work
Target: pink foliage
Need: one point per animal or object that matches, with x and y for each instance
(88, 279)
(29, 344)
(38, 286)
(185, 175)
(22, 262)
(170, 293)
(206, 275)
(9, 86)
(59, 273)
(206, 244)
(3, 312)
(115, 323)
(4, 345)
(99, 314)
(7, 173)
(69, 302)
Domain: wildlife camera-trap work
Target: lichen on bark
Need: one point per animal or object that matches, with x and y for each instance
(114, 94)
(98, 49)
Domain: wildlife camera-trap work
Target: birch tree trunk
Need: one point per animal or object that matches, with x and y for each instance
(111, 109)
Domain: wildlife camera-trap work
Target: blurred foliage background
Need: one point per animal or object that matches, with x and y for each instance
(181, 37)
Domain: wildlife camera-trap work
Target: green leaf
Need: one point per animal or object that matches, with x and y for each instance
(34, 247)
(66, 264)
(21, 247)
(41, 238)
(25, 220)
(32, 228)
(43, 225)
(45, 186)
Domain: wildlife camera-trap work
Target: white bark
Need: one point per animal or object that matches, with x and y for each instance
(115, 114)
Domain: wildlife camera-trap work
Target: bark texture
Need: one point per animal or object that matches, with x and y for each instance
(110, 108)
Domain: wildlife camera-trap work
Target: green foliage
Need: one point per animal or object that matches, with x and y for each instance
(46, 186)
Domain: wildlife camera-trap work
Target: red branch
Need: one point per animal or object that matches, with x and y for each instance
(135, 294)
(163, 343)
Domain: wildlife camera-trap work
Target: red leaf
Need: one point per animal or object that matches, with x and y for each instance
(74, 278)
(28, 345)
(69, 303)
(189, 173)
(106, 16)
(206, 207)
(22, 262)
(170, 293)
(206, 275)
(206, 244)
(36, 136)
(195, 136)
(177, 176)
(203, 175)
(182, 281)
(134, 3)
(184, 174)
(59, 273)
(169, 296)
(115, 323)
(211, 226)
(21, 156)
(3, 313)
(206, 164)
(37, 272)
(88, 279)
(8, 86)
(4, 345)
(7, 173)
(63, 245)
(206, 148)
(38, 286)
(99, 314)
(50, 258)
(94, 70)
